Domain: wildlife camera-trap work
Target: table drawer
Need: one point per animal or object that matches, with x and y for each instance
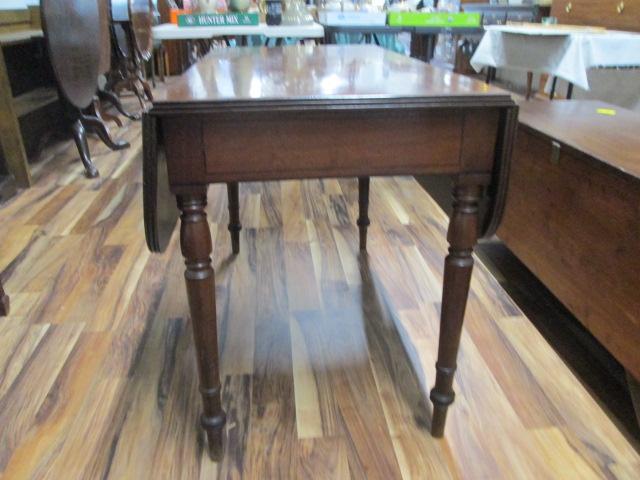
(295, 145)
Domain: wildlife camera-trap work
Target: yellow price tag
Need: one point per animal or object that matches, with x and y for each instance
(609, 112)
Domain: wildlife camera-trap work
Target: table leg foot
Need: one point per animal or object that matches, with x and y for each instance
(195, 243)
(363, 204)
(101, 129)
(213, 427)
(112, 98)
(234, 216)
(80, 137)
(462, 237)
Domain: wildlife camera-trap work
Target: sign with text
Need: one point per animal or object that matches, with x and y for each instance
(218, 20)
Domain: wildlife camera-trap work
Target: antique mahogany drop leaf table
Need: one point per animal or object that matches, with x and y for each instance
(253, 114)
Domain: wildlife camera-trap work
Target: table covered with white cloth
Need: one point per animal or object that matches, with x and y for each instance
(560, 52)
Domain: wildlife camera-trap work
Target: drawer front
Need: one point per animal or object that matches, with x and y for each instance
(299, 145)
(576, 225)
(615, 14)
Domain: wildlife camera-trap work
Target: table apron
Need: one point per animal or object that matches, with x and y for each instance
(208, 148)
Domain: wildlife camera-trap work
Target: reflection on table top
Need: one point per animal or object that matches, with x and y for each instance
(319, 73)
(169, 31)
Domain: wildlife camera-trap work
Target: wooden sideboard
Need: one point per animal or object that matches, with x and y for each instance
(615, 14)
(573, 214)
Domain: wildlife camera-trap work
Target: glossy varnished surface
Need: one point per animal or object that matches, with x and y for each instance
(613, 140)
(73, 30)
(318, 73)
(97, 365)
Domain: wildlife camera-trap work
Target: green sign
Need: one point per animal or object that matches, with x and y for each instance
(219, 20)
(434, 19)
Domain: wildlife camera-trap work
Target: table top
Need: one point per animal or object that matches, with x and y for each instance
(613, 140)
(309, 76)
(169, 31)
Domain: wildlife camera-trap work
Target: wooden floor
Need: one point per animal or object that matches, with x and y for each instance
(97, 368)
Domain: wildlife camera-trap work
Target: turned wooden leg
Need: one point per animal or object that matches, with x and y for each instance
(80, 137)
(554, 83)
(234, 216)
(529, 85)
(569, 91)
(4, 302)
(363, 204)
(462, 237)
(491, 74)
(195, 242)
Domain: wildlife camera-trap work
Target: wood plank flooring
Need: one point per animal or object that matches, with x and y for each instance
(97, 368)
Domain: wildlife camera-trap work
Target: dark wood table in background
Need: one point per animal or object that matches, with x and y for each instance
(253, 114)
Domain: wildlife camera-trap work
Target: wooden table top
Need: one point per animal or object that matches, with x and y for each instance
(299, 76)
(613, 140)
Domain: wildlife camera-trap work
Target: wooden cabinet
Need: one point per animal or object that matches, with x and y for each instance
(573, 215)
(615, 14)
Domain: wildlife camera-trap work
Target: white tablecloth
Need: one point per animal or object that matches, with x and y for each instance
(168, 31)
(562, 54)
